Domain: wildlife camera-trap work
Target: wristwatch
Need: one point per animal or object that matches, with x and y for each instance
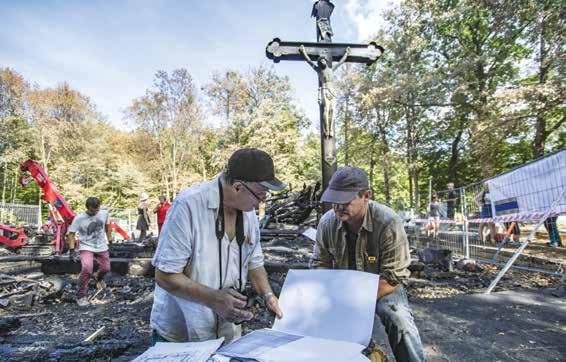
(268, 295)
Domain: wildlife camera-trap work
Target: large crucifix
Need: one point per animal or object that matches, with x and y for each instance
(320, 56)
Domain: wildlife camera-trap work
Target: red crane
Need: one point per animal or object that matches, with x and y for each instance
(61, 214)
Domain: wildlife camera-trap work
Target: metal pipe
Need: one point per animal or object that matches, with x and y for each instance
(464, 208)
(536, 270)
(523, 245)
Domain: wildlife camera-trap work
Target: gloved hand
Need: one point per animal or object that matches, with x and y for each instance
(74, 255)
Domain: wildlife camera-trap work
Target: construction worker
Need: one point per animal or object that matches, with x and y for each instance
(143, 224)
(360, 234)
(161, 211)
(94, 234)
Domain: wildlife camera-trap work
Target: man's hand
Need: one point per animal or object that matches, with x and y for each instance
(229, 304)
(272, 303)
(302, 49)
(384, 288)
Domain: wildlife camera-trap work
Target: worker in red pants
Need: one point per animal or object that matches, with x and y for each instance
(94, 233)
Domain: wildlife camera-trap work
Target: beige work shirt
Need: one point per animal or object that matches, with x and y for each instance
(390, 258)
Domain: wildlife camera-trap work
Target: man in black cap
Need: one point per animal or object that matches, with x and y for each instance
(360, 234)
(208, 247)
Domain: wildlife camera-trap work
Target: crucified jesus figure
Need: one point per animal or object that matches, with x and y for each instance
(326, 91)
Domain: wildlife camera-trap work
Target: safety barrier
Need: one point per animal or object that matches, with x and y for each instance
(17, 215)
(494, 220)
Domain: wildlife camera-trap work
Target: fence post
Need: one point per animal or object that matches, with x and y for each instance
(130, 221)
(464, 209)
(39, 218)
(429, 189)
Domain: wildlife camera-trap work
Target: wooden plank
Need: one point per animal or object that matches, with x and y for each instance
(278, 50)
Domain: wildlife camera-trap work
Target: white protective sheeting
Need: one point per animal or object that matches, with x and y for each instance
(527, 192)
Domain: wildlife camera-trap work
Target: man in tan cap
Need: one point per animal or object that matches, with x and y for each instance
(360, 234)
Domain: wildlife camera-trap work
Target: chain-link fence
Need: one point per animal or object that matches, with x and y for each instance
(495, 219)
(17, 215)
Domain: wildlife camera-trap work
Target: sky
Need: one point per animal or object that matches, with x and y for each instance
(111, 50)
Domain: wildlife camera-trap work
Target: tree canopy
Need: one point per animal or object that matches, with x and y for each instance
(464, 90)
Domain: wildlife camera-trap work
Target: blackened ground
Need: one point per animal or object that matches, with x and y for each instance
(123, 308)
(523, 320)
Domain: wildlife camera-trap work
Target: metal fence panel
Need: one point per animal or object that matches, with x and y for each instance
(496, 231)
(15, 214)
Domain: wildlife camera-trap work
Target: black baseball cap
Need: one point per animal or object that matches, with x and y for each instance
(253, 165)
(345, 185)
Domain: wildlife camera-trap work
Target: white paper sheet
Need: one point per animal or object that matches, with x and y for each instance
(267, 345)
(310, 233)
(310, 349)
(329, 304)
(180, 352)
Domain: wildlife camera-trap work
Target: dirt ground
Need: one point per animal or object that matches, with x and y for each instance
(523, 320)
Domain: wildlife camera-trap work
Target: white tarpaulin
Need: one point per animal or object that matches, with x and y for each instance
(529, 191)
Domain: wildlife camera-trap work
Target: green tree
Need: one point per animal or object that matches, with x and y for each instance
(171, 113)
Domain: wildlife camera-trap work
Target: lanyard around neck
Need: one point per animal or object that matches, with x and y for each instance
(220, 231)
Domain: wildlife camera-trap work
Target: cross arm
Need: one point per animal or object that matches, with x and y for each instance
(278, 50)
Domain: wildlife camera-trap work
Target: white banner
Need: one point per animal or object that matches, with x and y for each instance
(530, 190)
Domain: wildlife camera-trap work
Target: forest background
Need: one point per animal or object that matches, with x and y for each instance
(464, 91)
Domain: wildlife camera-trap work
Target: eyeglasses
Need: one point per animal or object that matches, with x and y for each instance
(259, 199)
(341, 206)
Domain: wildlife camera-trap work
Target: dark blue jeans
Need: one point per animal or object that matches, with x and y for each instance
(394, 312)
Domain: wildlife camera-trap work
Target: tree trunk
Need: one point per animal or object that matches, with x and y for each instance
(410, 165)
(413, 153)
(14, 185)
(164, 172)
(540, 136)
(411, 197)
(372, 164)
(4, 181)
(417, 192)
(174, 167)
(484, 137)
(386, 162)
(541, 133)
(453, 165)
(386, 185)
(203, 170)
(347, 116)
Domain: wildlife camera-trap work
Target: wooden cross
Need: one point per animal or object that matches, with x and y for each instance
(320, 56)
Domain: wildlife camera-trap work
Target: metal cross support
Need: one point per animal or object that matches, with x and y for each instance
(320, 56)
